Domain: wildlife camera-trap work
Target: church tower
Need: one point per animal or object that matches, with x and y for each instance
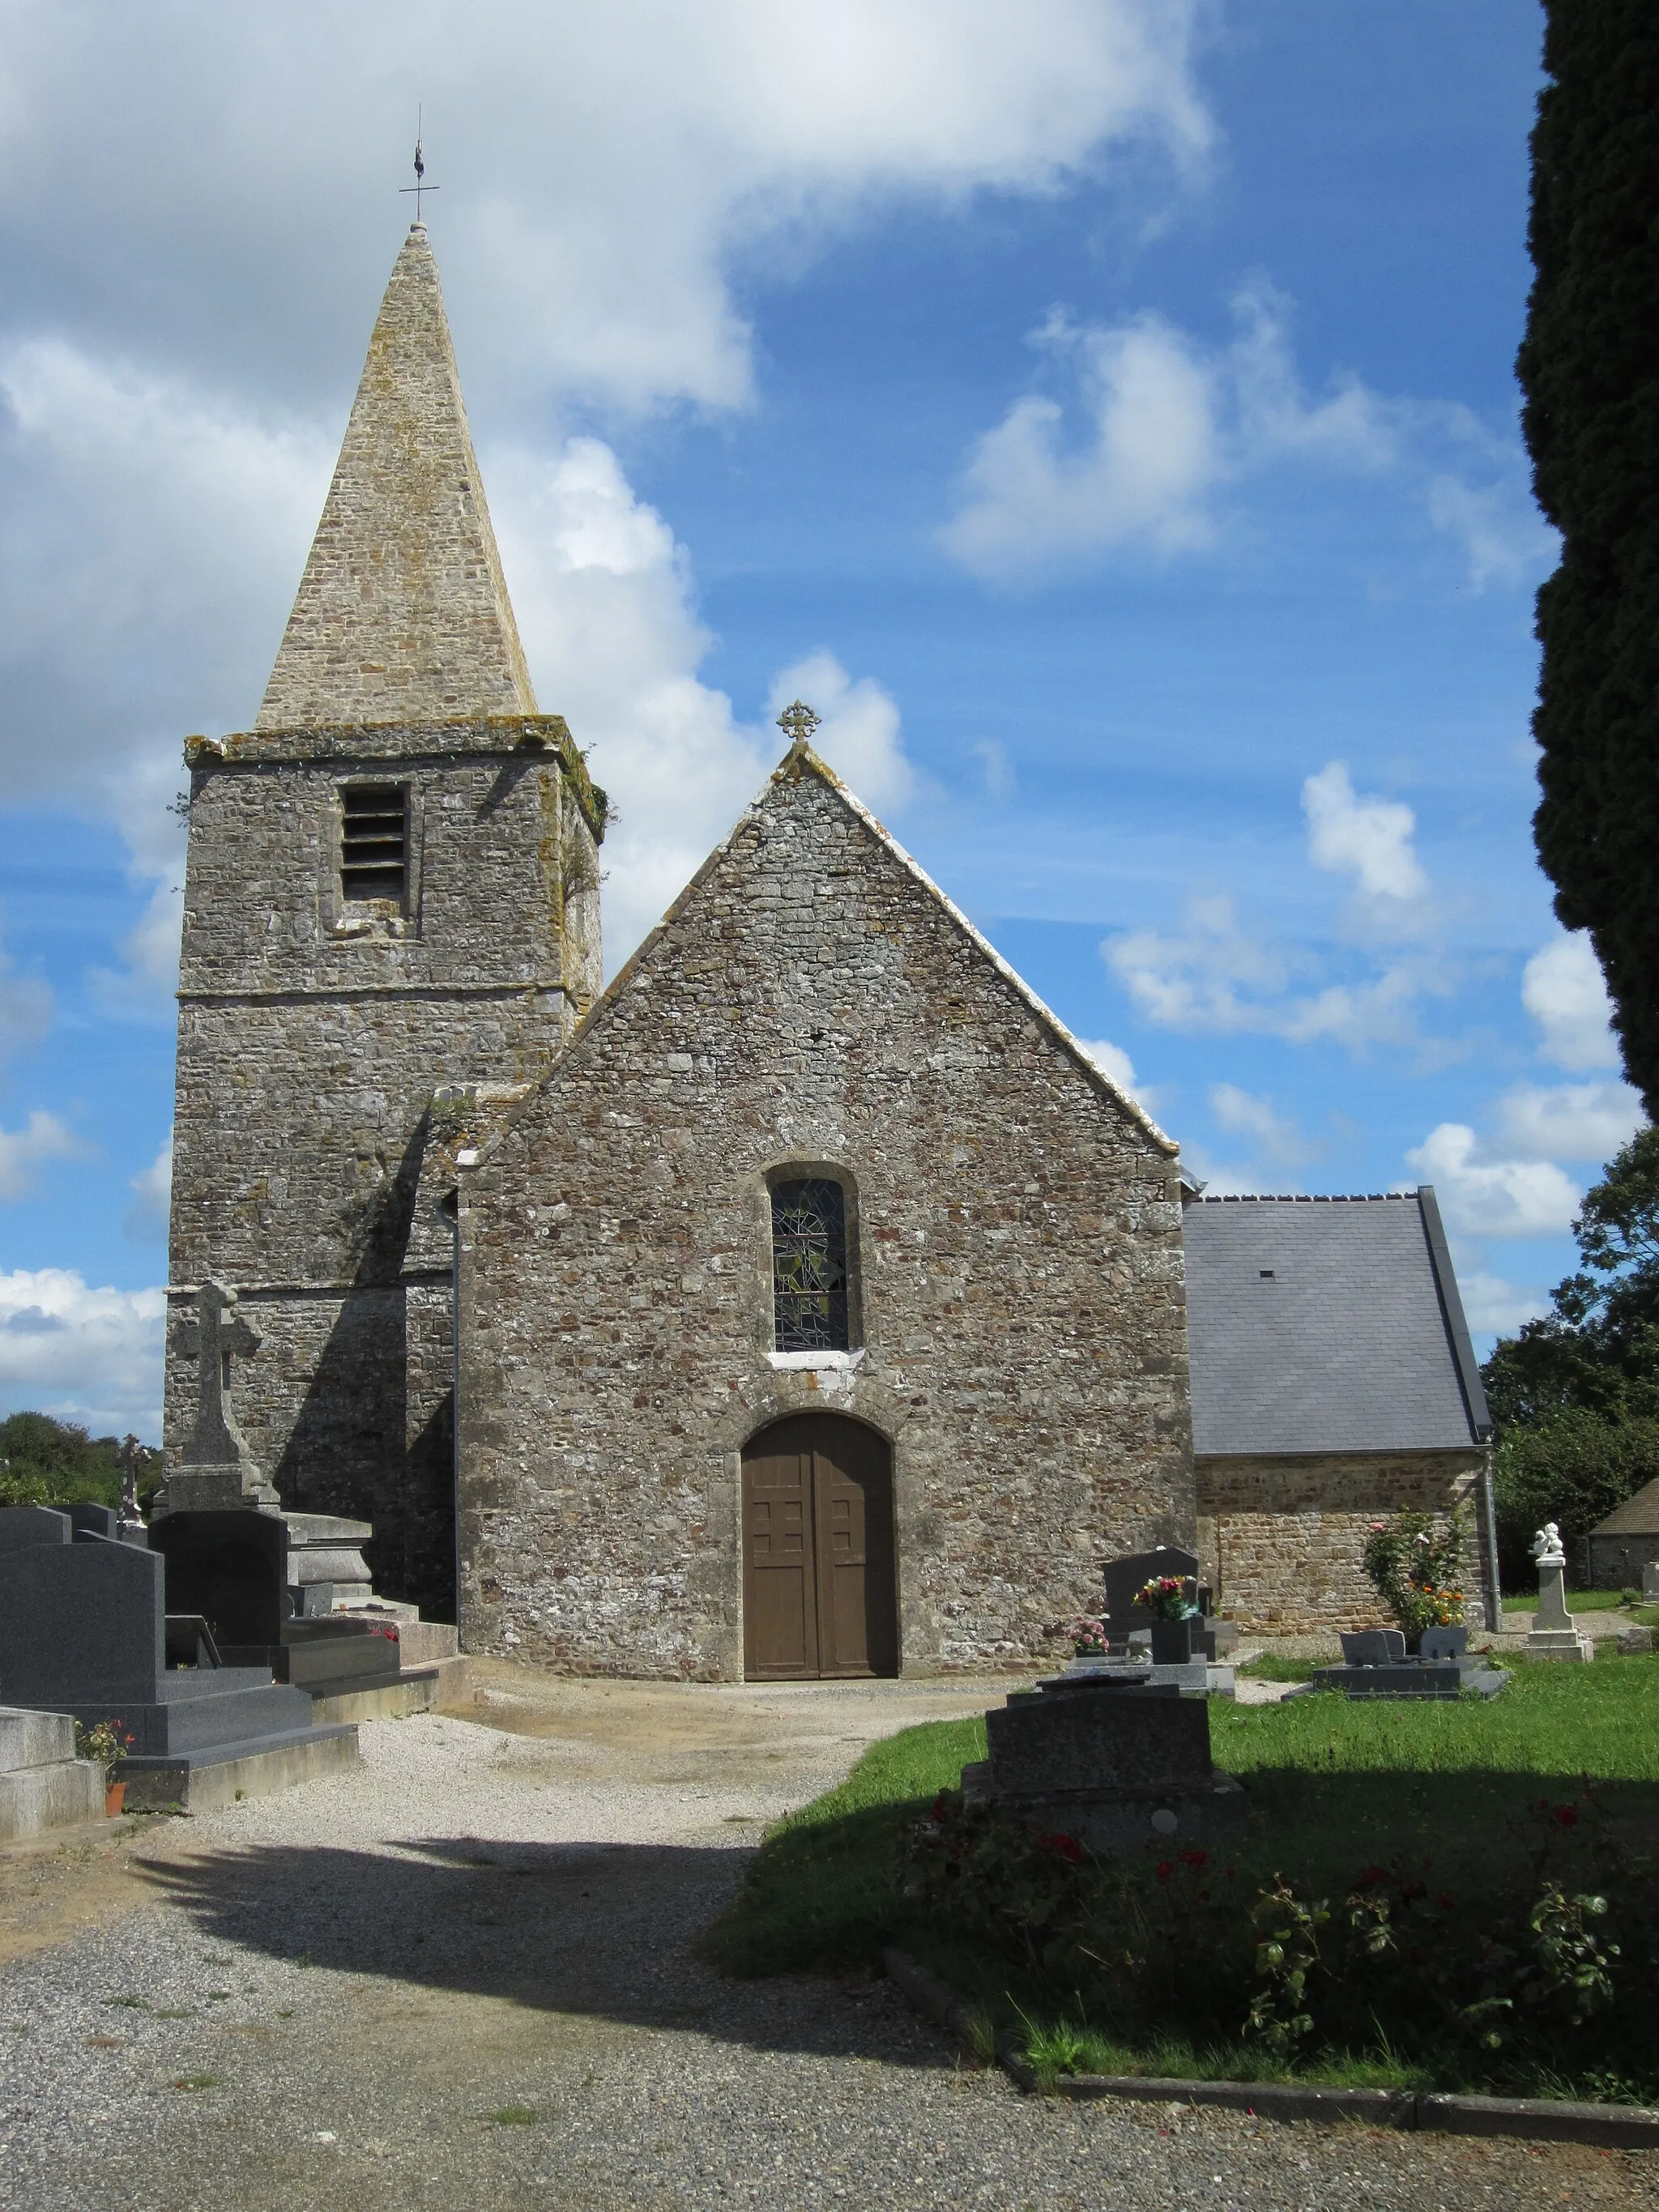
(390, 920)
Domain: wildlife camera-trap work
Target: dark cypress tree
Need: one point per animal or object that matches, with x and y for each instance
(1589, 369)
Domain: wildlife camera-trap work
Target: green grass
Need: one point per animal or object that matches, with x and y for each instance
(1270, 1667)
(1577, 1602)
(1332, 1786)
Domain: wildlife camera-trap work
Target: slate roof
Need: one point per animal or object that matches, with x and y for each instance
(1636, 1517)
(1327, 1324)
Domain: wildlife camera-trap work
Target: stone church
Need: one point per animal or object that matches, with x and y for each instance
(807, 1302)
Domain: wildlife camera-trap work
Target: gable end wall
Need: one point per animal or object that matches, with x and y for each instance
(811, 1000)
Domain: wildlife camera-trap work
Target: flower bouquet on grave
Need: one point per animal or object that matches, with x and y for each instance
(1170, 1601)
(1088, 1638)
(105, 1744)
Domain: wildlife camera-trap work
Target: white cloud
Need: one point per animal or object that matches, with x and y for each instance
(601, 168)
(1116, 1066)
(24, 1151)
(1495, 1307)
(1277, 1138)
(1487, 1196)
(146, 1219)
(1563, 989)
(151, 536)
(1504, 537)
(1139, 477)
(93, 1356)
(605, 601)
(1369, 839)
(857, 733)
(1212, 975)
(1567, 1121)
(1151, 427)
(174, 376)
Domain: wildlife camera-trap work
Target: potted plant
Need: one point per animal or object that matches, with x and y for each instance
(105, 1743)
(1089, 1640)
(1170, 1601)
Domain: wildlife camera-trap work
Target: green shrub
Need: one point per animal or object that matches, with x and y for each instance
(44, 1461)
(1572, 1467)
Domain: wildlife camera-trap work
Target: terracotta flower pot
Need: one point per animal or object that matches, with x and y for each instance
(115, 1797)
(1172, 1643)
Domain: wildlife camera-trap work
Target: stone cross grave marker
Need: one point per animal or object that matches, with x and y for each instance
(217, 1469)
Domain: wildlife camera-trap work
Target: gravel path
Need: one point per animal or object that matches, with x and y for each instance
(460, 1979)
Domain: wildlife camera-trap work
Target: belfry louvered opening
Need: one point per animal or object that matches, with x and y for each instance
(373, 842)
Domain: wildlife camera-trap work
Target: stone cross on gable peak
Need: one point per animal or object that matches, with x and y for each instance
(216, 1336)
(798, 722)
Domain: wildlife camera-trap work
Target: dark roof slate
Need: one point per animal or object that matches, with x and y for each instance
(1636, 1517)
(1327, 1324)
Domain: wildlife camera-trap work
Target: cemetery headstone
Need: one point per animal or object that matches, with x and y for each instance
(1376, 1664)
(216, 1471)
(1115, 1762)
(23, 1527)
(84, 1630)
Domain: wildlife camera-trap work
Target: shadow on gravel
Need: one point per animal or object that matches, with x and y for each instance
(604, 1929)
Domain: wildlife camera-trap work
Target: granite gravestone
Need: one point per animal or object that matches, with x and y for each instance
(233, 1569)
(84, 1630)
(1118, 1764)
(1376, 1664)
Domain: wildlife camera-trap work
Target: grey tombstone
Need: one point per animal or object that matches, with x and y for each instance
(81, 1625)
(1119, 1763)
(23, 1527)
(1372, 1647)
(84, 1630)
(1124, 1576)
(88, 1519)
(230, 1567)
(1444, 1643)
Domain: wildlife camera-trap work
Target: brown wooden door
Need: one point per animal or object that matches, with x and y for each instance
(818, 1588)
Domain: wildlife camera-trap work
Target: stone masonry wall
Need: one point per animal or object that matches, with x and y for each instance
(313, 1034)
(1281, 1540)
(1017, 1242)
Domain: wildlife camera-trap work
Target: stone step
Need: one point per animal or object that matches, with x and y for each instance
(199, 1781)
(425, 1641)
(66, 1794)
(30, 1738)
(416, 1690)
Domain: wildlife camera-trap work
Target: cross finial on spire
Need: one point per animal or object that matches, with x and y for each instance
(798, 723)
(420, 184)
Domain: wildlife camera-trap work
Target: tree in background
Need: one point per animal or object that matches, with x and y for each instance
(1575, 1396)
(48, 1462)
(1589, 369)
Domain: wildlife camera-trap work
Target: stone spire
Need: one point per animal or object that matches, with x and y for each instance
(401, 614)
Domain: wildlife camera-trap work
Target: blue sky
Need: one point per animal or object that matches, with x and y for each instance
(1102, 411)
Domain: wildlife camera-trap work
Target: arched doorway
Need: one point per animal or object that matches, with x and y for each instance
(819, 1595)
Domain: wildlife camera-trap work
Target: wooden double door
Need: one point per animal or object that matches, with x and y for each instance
(819, 1593)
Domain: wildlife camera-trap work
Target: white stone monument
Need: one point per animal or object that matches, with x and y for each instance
(1554, 1635)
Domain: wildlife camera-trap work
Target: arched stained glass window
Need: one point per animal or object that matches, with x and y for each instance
(809, 1266)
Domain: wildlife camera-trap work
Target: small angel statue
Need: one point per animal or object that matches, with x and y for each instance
(1547, 1547)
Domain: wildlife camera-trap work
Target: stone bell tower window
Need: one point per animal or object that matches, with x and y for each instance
(373, 842)
(809, 1266)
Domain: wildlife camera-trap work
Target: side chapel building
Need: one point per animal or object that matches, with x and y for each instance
(806, 1303)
